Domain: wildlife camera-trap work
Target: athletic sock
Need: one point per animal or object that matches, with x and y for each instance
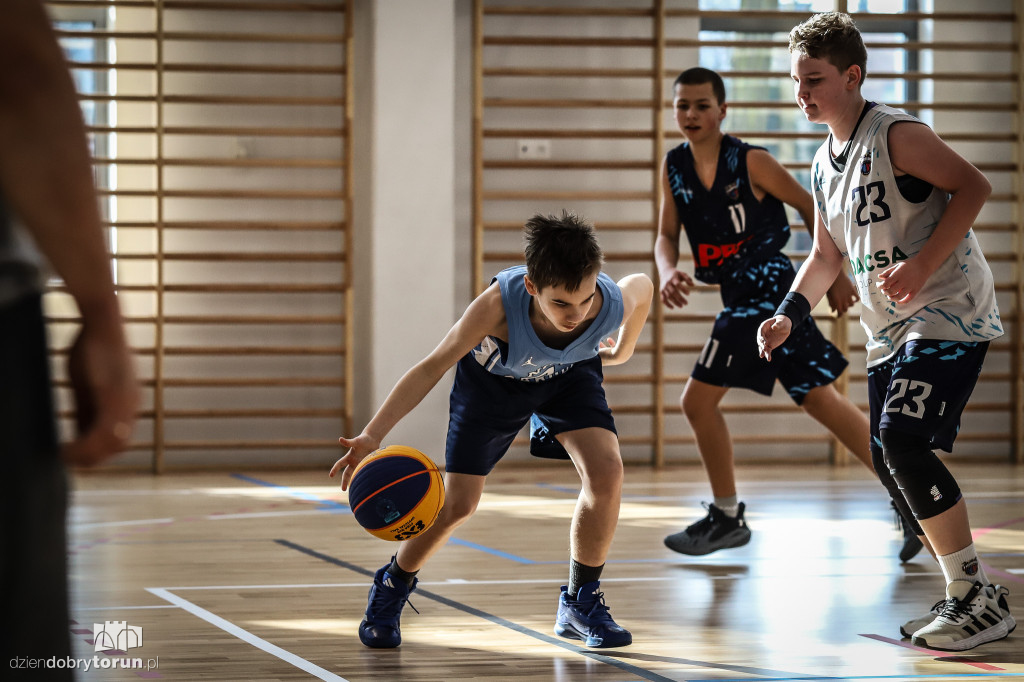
(580, 575)
(398, 573)
(729, 505)
(961, 569)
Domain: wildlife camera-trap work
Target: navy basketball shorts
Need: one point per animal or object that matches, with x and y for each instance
(729, 359)
(487, 411)
(923, 389)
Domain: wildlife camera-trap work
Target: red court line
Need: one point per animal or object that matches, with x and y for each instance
(996, 526)
(990, 571)
(988, 529)
(941, 655)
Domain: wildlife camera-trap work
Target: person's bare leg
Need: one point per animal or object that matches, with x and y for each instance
(700, 404)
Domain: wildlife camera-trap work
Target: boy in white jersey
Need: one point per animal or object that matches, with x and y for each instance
(532, 344)
(897, 202)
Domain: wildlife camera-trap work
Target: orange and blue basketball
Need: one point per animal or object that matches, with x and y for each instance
(396, 493)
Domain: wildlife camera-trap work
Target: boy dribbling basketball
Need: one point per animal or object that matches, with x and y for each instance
(533, 343)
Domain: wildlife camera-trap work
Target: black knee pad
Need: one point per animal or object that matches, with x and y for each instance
(922, 478)
(895, 494)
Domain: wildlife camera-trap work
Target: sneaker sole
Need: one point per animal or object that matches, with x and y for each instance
(739, 540)
(992, 634)
(569, 632)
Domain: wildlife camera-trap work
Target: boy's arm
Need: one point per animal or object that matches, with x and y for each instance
(483, 317)
(915, 149)
(771, 177)
(637, 293)
(816, 275)
(675, 285)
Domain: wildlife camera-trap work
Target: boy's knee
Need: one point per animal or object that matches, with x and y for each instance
(457, 511)
(922, 478)
(605, 479)
(694, 406)
(819, 399)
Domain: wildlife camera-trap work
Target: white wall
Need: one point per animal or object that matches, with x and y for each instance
(405, 206)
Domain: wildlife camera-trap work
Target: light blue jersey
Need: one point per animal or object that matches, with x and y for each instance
(524, 356)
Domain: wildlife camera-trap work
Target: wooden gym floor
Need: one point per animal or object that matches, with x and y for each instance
(264, 576)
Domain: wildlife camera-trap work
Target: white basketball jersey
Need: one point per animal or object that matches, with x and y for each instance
(875, 226)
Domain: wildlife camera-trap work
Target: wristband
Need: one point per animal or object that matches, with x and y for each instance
(796, 307)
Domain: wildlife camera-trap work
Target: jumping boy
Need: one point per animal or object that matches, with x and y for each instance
(533, 343)
(728, 196)
(899, 204)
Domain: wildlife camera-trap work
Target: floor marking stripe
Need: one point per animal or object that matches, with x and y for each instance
(292, 492)
(125, 608)
(246, 636)
(495, 552)
(991, 570)
(944, 656)
(110, 524)
(610, 658)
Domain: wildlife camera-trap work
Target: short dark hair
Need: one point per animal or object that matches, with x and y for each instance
(698, 75)
(561, 251)
(834, 37)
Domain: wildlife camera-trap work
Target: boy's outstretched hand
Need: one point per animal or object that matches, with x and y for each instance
(771, 334)
(675, 287)
(359, 447)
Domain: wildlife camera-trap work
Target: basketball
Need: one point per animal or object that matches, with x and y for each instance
(396, 493)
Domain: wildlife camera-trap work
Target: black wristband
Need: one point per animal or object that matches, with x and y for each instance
(796, 307)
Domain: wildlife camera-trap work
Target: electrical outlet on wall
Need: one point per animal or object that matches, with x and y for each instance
(533, 149)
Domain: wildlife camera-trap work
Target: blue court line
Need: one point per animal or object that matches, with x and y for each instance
(494, 552)
(326, 505)
(609, 659)
(559, 488)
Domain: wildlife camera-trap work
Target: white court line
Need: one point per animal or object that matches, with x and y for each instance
(123, 608)
(263, 515)
(1018, 571)
(108, 524)
(246, 636)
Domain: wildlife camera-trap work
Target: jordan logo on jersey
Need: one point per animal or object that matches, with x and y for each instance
(733, 190)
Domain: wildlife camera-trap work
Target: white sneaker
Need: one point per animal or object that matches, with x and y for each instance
(965, 623)
(911, 626)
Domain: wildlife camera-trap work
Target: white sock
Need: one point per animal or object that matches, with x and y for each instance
(961, 569)
(729, 505)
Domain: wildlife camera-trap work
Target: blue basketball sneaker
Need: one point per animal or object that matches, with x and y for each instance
(587, 618)
(380, 628)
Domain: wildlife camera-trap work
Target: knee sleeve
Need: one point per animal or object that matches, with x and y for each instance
(921, 477)
(895, 494)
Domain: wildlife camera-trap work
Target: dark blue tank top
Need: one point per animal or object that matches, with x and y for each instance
(730, 232)
(524, 356)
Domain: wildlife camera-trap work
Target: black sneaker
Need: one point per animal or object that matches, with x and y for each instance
(380, 628)
(715, 531)
(911, 543)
